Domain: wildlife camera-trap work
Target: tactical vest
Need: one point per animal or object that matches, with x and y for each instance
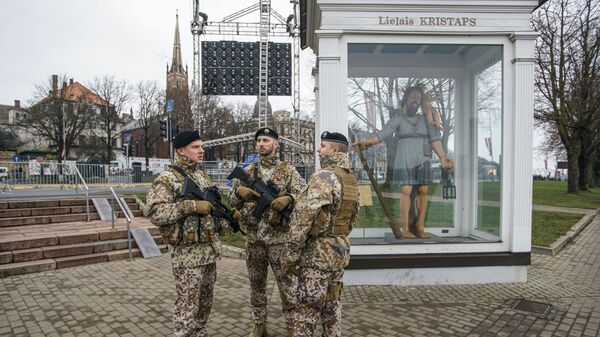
(190, 230)
(348, 205)
(281, 169)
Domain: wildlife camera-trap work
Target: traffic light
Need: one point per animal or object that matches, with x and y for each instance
(163, 129)
(124, 148)
(174, 131)
(132, 149)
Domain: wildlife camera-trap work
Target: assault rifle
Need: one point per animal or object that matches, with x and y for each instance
(268, 192)
(211, 194)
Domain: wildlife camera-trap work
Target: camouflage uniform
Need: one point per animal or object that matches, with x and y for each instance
(320, 245)
(193, 244)
(267, 244)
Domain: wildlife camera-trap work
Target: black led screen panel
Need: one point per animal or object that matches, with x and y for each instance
(232, 68)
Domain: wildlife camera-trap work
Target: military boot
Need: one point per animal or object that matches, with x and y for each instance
(260, 330)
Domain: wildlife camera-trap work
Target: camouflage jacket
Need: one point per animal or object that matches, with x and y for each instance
(192, 240)
(323, 252)
(289, 182)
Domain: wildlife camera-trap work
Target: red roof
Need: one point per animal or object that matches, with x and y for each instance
(77, 92)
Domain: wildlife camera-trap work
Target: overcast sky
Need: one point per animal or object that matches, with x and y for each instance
(130, 39)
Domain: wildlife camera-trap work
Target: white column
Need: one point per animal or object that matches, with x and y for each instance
(522, 150)
(331, 106)
(315, 73)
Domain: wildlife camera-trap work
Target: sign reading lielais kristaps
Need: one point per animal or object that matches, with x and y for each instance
(427, 21)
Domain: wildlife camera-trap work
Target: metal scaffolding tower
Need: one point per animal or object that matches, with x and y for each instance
(263, 95)
(263, 29)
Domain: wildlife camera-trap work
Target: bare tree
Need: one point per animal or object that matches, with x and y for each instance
(148, 96)
(212, 119)
(567, 80)
(9, 140)
(58, 115)
(106, 126)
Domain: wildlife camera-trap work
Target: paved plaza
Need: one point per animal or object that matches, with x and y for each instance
(134, 298)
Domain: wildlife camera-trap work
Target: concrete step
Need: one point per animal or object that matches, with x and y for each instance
(23, 212)
(42, 203)
(52, 252)
(71, 245)
(12, 269)
(46, 219)
(65, 238)
(27, 267)
(59, 218)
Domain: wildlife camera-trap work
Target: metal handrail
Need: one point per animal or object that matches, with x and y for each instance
(87, 194)
(127, 217)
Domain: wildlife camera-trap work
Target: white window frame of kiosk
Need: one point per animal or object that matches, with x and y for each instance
(469, 165)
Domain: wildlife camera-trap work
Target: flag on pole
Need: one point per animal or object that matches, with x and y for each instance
(64, 145)
(370, 107)
(488, 144)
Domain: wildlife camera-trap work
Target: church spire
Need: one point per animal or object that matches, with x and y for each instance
(176, 64)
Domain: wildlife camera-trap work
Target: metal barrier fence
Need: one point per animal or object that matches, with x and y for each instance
(65, 174)
(218, 171)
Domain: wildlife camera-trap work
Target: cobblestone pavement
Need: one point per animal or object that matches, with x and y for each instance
(134, 298)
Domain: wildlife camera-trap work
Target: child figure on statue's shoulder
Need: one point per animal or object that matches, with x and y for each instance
(430, 112)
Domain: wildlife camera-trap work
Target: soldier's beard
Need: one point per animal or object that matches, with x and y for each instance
(266, 152)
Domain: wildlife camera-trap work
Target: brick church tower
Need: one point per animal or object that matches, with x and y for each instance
(177, 86)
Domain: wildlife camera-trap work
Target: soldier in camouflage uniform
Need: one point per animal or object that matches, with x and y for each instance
(323, 217)
(190, 233)
(267, 237)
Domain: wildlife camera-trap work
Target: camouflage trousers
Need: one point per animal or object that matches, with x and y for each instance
(318, 299)
(194, 299)
(258, 258)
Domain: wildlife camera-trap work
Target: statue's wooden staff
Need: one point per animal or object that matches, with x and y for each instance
(386, 210)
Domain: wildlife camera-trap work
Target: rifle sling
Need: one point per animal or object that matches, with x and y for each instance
(180, 171)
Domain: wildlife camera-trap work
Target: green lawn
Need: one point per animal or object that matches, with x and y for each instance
(549, 226)
(554, 193)
(550, 193)
(234, 239)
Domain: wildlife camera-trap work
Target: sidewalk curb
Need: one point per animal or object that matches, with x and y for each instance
(562, 241)
(233, 252)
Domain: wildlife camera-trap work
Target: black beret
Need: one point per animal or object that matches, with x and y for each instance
(266, 131)
(335, 137)
(184, 138)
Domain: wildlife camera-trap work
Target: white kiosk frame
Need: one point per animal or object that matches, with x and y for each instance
(331, 25)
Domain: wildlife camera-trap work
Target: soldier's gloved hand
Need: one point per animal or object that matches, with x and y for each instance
(203, 207)
(236, 215)
(281, 203)
(246, 193)
(224, 229)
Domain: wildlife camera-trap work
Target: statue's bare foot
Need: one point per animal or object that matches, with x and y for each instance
(408, 235)
(422, 235)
